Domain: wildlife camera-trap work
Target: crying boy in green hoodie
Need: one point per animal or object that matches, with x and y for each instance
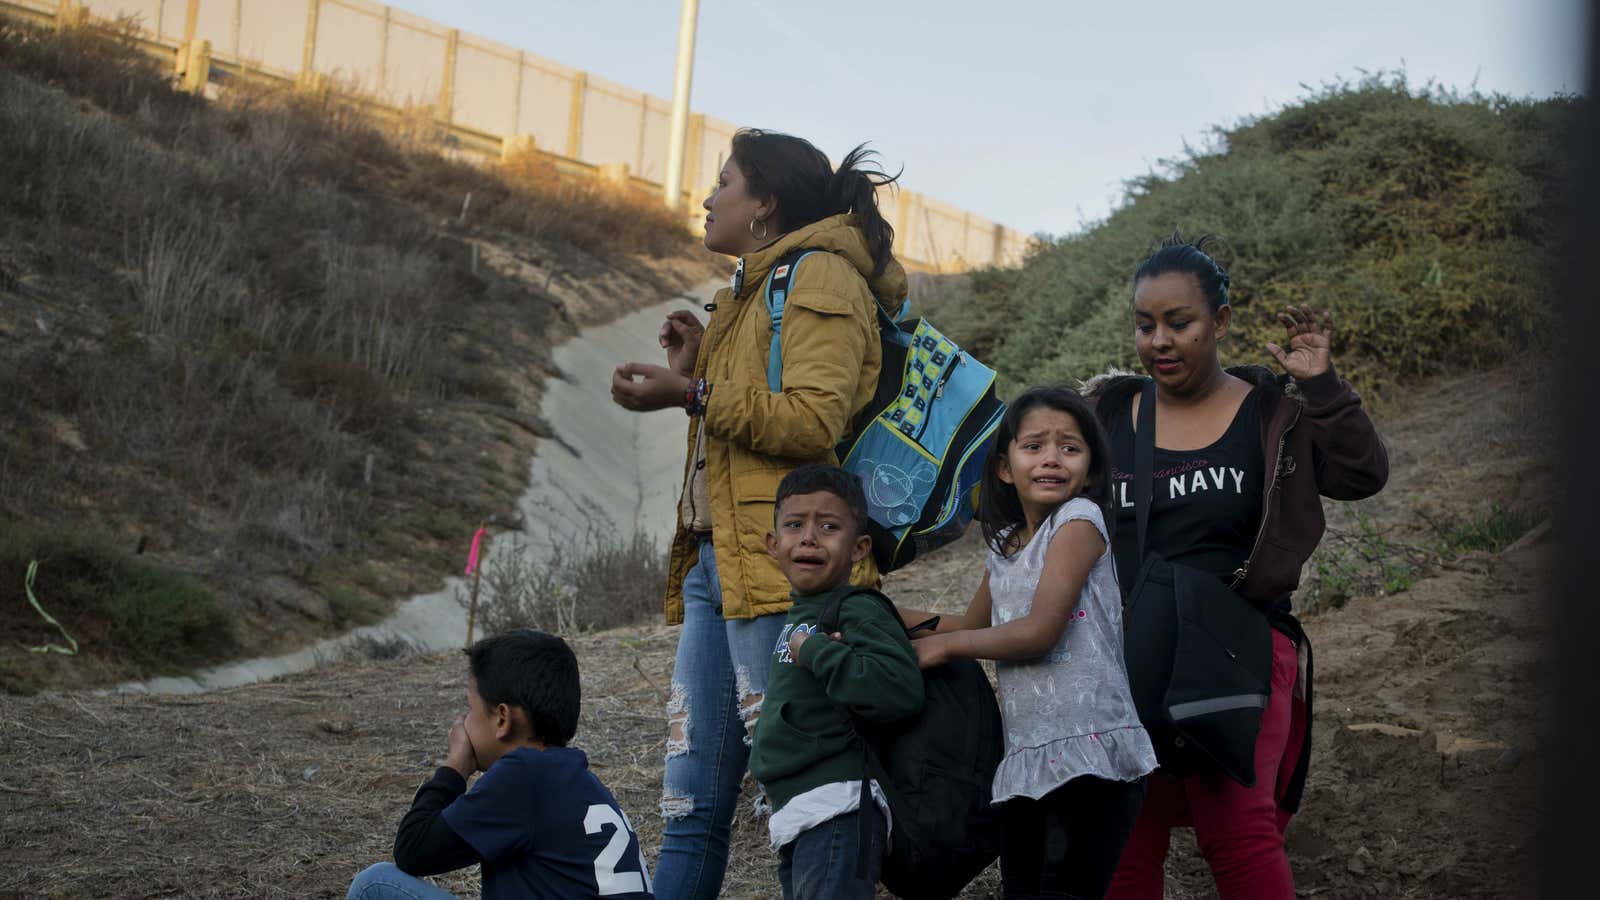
(804, 752)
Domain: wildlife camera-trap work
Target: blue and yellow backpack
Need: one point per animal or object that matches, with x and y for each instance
(920, 445)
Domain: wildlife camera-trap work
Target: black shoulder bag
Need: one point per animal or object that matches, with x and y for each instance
(1199, 655)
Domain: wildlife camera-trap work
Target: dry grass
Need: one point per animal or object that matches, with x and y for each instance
(155, 796)
(579, 583)
(289, 788)
(250, 335)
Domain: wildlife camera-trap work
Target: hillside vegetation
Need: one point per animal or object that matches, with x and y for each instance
(1422, 219)
(265, 362)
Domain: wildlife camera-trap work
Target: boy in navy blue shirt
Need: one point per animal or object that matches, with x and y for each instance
(538, 821)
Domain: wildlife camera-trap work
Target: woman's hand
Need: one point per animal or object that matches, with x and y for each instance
(644, 388)
(680, 335)
(460, 756)
(1310, 342)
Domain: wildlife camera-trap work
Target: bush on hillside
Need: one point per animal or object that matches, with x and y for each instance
(242, 325)
(112, 602)
(1422, 220)
(581, 582)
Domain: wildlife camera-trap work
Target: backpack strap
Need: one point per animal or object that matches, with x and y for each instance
(777, 293)
(828, 622)
(1144, 461)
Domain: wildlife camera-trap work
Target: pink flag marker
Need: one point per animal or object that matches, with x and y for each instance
(472, 557)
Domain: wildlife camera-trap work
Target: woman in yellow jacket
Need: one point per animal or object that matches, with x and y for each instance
(777, 193)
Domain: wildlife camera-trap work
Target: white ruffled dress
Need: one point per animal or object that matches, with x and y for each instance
(1070, 712)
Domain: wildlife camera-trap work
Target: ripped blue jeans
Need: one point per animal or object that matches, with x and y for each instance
(718, 682)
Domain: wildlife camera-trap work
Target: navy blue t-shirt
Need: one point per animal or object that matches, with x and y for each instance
(547, 828)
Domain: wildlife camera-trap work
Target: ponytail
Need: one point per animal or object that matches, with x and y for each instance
(854, 188)
(808, 189)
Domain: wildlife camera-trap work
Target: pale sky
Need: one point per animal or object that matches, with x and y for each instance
(1031, 113)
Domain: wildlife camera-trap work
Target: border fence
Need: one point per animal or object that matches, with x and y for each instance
(489, 98)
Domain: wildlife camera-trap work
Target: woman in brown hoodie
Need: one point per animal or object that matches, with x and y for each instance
(1243, 458)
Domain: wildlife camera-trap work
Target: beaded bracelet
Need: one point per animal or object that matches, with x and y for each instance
(694, 397)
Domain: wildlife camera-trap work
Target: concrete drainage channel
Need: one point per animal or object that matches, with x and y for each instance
(609, 465)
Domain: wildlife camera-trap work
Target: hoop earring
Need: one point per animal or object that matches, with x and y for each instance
(763, 235)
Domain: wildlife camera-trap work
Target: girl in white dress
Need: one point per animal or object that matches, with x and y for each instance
(1050, 613)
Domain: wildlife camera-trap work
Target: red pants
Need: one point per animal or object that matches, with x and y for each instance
(1239, 829)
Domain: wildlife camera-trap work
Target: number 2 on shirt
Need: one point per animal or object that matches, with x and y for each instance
(606, 877)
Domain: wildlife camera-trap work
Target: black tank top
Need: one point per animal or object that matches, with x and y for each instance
(1205, 504)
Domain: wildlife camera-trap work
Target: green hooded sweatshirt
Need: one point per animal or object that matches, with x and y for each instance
(804, 738)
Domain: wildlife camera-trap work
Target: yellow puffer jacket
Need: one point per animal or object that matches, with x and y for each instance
(754, 437)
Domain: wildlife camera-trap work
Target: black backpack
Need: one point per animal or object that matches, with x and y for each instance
(936, 770)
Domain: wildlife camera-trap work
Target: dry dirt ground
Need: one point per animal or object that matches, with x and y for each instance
(1425, 756)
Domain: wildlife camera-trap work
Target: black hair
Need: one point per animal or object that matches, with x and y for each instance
(813, 478)
(999, 507)
(534, 670)
(808, 189)
(1174, 254)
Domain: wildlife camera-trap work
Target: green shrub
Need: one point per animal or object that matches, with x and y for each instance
(1422, 220)
(353, 606)
(581, 582)
(112, 601)
(1362, 560)
(1494, 530)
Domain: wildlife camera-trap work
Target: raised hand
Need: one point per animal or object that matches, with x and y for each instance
(1310, 342)
(680, 336)
(643, 388)
(461, 756)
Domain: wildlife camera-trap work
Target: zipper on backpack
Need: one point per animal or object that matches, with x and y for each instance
(949, 372)
(949, 506)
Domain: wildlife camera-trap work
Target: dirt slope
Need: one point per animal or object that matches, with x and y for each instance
(1425, 755)
(266, 362)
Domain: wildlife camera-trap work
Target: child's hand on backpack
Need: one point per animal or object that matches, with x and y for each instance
(460, 755)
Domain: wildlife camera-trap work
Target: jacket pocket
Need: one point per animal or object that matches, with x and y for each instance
(827, 303)
(781, 749)
(755, 494)
(758, 485)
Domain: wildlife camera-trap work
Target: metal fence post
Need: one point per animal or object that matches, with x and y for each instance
(191, 19)
(308, 57)
(580, 88)
(447, 91)
(71, 14)
(383, 54)
(694, 178)
(644, 125)
(196, 66)
(672, 183)
(516, 94)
